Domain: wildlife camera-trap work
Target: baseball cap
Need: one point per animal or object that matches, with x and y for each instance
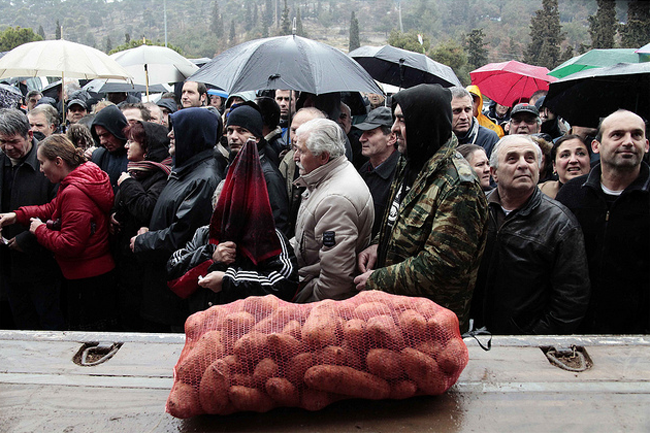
(380, 116)
(524, 108)
(77, 102)
(167, 103)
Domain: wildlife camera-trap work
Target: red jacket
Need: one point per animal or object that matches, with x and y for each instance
(82, 205)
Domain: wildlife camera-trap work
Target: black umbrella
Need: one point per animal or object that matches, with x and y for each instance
(9, 96)
(285, 62)
(403, 68)
(586, 96)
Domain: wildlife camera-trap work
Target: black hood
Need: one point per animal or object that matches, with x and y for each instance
(113, 120)
(156, 141)
(427, 115)
(195, 130)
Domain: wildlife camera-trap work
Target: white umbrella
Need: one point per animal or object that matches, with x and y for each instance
(59, 58)
(151, 64)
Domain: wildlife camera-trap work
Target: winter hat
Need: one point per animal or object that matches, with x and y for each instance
(246, 116)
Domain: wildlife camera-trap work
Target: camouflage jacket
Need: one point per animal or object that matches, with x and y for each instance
(434, 249)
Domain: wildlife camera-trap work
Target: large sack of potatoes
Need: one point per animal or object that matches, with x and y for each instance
(259, 353)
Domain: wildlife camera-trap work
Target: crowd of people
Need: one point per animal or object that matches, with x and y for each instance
(124, 216)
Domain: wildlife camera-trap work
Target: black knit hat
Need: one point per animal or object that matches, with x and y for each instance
(248, 117)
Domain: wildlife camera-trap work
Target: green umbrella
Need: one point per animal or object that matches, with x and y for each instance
(596, 59)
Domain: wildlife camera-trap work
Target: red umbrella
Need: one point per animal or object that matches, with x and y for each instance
(508, 82)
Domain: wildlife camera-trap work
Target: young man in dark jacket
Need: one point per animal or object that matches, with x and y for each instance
(107, 130)
(533, 277)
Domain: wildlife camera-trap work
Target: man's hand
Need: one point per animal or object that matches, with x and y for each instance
(212, 281)
(141, 231)
(36, 223)
(114, 225)
(7, 219)
(360, 280)
(12, 244)
(122, 178)
(226, 252)
(367, 259)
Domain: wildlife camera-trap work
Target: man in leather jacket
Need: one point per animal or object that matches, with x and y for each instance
(533, 277)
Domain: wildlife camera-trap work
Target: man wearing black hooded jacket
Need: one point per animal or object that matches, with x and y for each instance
(107, 131)
(432, 239)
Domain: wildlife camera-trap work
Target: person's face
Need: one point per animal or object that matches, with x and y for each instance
(375, 99)
(518, 167)
(501, 110)
(345, 119)
(16, 146)
(481, 165)
(238, 136)
(545, 114)
(165, 116)
(108, 140)
(31, 102)
(50, 168)
(571, 160)
(304, 159)
(475, 107)
(286, 99)
(134, 151)
(75, 113)
(172, 142)
(375, 143)
(133, 115)
(38, 122)
(190, 96)
(156, 116)
(462, 110)
(623, 143)
(399, 129)
(215, 101)
(296, 122)
(524, 123)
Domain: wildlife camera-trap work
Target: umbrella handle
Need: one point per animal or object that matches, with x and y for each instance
(401, 73)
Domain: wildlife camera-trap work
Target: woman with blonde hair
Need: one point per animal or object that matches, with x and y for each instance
(76, 231)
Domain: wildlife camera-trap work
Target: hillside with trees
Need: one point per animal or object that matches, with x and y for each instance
(461, 33)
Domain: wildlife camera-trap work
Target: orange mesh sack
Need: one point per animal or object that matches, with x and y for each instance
(259, 353)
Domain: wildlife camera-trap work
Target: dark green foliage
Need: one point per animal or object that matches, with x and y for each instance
(57, 35)
(636, 32)
(546, 36)
(14, 36)
(477, 55)
(286, 28)
(217, 21)
(354, 33)
(603, 25)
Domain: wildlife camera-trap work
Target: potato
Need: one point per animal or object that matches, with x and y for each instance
(424, 371)
(293, 328)
(282, 391)
(264, 370)
(314, 400)
(239, 323)
(323, 327)
(252, 346)
(431, 348)
(369, 310)
(453, 359)
(338, 355)
(295, 367)
(412, 324)
(354, 333)
(443, 325)
(284, 345)
(213, 391)
(383, 333)
(402, 389)
(183, 401)
(250, 399)
(384, 363)
(261, 306)
(195, 325)
(347, 381)
(274, 322)
(242, 379)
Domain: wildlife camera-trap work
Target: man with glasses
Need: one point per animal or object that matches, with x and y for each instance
(525, 119)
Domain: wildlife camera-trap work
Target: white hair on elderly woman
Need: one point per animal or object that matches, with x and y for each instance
(323, 135)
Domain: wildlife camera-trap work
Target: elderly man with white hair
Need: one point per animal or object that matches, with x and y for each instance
(336, 213)
(533, 278)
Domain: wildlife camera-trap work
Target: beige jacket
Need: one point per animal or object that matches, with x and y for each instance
(334, 224)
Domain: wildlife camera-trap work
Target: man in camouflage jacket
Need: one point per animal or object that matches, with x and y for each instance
(432, 240)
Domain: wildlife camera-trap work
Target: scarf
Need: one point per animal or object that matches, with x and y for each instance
(142, 169)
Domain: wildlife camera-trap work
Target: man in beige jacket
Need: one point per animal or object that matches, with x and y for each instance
(335, 217)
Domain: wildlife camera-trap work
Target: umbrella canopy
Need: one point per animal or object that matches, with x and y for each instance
(403, 68)
(155, 65)
(510, 81)
(586, 96)
(644, 49)
(596, 59)
(59, 58)
(285, 62)
(100, 85)
(9, 96)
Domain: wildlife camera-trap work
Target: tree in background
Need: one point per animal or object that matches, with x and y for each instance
(134, 43)
(108, 44)
(14, 36)
(41, 32)
(217, 21)
(127, 38)
(268, 13)
(232, 38)
(409, 41)
(636, 32)
(57, 34)
(546, 35)
(285, 26)
(452, 54)
(602, 26)
(477, 54)
(354, 33)
(300, 31)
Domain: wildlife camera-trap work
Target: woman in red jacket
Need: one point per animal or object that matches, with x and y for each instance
(76, 232)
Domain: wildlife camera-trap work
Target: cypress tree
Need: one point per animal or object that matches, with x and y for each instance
(109, 44)
(231, 39)
(602, 26)
(636, 32)
(477, 54)
(300, 31)
(354, 33)
(41, 32)
(285, 27)
(217, 21)
(58, 30)
(546, 35)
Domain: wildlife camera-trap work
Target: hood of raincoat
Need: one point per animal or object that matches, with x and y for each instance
(112, 119)
(156, 141)
(195, 130)
(94, 182)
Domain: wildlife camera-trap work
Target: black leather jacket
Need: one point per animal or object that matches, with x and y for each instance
(533, 277)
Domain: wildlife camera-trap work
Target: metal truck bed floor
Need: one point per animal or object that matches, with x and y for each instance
(511, 388)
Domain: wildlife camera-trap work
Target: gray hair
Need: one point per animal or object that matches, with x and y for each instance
(323, 135)
(459, 92)
(494, 157)
(50, 113)
(13, 121)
